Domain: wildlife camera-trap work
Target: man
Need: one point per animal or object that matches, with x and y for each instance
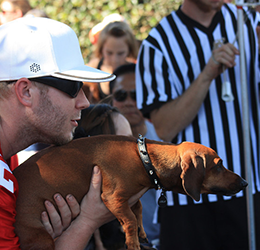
(179, 78)
(41, 74)
(124, 99)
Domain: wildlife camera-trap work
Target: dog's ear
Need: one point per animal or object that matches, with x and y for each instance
(192, 175)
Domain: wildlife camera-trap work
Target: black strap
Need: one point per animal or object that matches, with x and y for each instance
(147, 162)
(162, 202)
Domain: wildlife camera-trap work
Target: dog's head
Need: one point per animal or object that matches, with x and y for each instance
(203, 172)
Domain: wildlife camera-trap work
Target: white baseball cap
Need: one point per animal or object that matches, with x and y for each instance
(37, 47)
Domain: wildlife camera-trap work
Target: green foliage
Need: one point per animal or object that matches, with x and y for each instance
(82, 15)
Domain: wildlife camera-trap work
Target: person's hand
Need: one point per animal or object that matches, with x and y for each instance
(93, 210)
(56, 223)
(222, 57)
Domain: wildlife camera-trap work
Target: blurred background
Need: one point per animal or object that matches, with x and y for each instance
(82, 15)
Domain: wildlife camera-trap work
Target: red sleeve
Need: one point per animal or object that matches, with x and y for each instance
(8, 196)
(13, 162)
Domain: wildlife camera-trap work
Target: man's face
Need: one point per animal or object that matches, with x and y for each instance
(208, 5)
(128, 106)
(56, 115)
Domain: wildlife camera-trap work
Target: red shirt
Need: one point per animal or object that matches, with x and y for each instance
(8, 196)
(13, 162)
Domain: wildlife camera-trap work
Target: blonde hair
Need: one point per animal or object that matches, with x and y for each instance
(117, 29)
(37, 13)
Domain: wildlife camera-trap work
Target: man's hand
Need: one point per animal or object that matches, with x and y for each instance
(92, 210)
(55, 224)
(222, 57)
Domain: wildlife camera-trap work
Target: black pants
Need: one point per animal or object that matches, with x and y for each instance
(219, 225)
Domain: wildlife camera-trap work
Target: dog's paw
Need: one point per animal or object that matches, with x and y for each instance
(147, 248)
(142, 235)
(143, 240)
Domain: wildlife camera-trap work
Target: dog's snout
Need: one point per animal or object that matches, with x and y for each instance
(235, 187)
(243, 183)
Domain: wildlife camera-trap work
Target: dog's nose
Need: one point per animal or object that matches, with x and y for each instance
(243, 183)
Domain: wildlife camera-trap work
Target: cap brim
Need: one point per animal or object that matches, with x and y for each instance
(85, 74)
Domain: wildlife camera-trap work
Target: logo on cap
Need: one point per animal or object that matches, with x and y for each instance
(35, 67)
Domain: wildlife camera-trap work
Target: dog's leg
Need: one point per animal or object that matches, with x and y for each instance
(129, 224)
(137, 210)
(127, 219)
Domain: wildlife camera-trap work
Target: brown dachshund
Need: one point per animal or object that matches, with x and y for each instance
(187, 168)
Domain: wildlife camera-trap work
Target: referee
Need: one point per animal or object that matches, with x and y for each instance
(179, 80)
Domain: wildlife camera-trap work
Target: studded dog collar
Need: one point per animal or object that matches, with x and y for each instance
(162, 202)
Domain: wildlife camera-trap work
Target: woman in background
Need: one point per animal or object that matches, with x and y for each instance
(13, 9)
(116, 46)
(100, 119)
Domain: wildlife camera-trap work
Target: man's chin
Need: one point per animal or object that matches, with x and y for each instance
(209, 7)
(58, 141)
(219, 5)
(132, 117)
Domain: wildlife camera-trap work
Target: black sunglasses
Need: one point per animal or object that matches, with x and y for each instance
(69, 87)
(121, 95)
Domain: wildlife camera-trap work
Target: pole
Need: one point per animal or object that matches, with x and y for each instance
(246, 129)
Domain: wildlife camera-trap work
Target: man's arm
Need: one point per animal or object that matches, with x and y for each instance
(175, 115)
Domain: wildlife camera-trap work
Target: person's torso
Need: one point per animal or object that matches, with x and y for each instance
(186, 47)
(8, 196)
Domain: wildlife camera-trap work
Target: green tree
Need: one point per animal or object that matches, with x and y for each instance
(82, 15)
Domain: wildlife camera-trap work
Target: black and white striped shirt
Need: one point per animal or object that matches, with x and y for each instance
(172, 57)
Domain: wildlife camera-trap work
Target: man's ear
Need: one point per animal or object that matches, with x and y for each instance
(23, 90)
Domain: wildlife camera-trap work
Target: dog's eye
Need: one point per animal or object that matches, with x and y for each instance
(218, 167)
(220, 163)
